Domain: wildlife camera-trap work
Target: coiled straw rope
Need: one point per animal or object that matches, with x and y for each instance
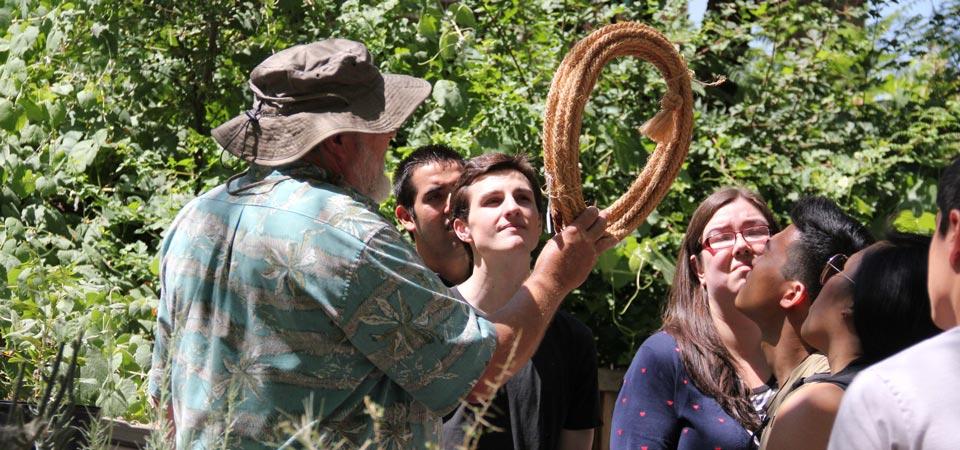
(671, 128)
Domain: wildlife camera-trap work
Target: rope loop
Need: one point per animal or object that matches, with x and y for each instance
(671, 127)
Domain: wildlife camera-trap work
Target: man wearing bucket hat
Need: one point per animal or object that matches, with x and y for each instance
(285, 296)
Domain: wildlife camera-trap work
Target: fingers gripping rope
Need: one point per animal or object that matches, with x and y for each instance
(671, 128)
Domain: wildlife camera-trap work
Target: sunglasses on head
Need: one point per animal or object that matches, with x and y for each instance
(834, 265)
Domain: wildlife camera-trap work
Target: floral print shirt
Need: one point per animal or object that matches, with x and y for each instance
(287, 299)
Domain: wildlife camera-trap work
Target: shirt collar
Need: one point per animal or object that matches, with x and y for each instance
(304, 171)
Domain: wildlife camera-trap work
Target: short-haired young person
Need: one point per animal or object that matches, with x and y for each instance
(553, 401)
(422, 183)
(911, 400)
(872, 305)
(784, 281)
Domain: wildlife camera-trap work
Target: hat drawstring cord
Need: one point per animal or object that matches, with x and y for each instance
(253, 117)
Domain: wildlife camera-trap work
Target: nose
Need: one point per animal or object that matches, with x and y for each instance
(741, 247)
(510, 207)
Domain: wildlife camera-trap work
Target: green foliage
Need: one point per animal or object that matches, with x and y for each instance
(106, 108)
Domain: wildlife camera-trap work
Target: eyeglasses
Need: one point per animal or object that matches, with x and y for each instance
(834, 266)
(759, 234)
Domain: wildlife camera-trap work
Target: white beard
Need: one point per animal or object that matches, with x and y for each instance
(374, 183)
(381, 189)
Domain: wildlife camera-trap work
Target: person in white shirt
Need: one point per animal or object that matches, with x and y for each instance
(911, 400)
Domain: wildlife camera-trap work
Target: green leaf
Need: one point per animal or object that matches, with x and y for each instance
(32, 134)
(8, 115)
(82, 155)
(464, 16)
(143, 356)
(428, 26)
(155, 266)
(664, 265)
(56, 112)
(62, 89)
(447, 94)
(23, 41)
(613, 264)
(34, 112)
(54, 39)
(27, 182)
(906, 221)
(448, 45)
(86, 98)
(5, 17)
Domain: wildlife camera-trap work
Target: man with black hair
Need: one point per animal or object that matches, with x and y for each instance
(911, 400)
(422, 182)
(784, 281)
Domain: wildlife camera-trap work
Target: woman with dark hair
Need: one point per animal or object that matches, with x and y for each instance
(553, 401)
(872, 305)
(700, 381)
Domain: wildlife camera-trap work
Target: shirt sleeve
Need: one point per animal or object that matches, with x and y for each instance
(866, 417)
(584, 397)
(644, 415)
(400, 315)
(161, 338)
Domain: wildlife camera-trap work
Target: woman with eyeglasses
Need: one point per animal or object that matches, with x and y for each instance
(701, 380)
(873, 304)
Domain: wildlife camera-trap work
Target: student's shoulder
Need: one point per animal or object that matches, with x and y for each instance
(661, 342)
(572, 327)
(813, 398)
(805, 418)
(660, 347)
(930, 353)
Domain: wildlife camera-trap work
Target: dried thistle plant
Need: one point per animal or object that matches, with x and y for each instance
(481, 411)
(48, 424)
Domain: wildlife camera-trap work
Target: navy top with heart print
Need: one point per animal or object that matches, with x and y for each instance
(660, 408)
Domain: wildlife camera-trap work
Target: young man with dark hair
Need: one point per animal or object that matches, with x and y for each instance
(422, 182)
(910, 400)
(784, 281)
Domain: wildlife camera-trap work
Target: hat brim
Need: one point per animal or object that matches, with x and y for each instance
(278, 139)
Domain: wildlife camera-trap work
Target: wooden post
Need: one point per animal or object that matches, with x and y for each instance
(609, 382)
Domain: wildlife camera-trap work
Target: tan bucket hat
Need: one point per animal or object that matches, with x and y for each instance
(307, 93)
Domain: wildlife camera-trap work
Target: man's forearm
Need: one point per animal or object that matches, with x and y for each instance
(520, 326)
(563, 264)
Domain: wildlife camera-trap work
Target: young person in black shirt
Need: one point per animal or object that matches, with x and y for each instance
(553, 401)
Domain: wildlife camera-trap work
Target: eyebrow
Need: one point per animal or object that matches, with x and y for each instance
(436, 188)
(746, 224)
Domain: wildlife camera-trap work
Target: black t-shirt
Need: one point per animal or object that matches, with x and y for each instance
(555, 390)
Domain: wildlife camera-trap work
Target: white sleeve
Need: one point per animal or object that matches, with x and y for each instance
(869, 417)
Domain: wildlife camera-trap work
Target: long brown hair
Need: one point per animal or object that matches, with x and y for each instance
(687, 315)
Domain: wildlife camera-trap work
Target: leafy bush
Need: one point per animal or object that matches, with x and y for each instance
(106, 108)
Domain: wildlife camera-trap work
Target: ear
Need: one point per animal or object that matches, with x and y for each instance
(847, 312)
(953, 237)
(795, 295)
(697, 267)
(336, 151)
(462, 230)
(405, 218)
